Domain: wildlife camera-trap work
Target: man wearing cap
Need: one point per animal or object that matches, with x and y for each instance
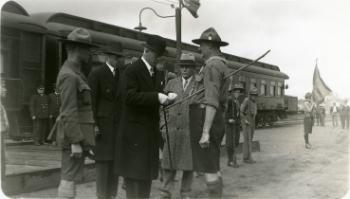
(248, 112)
(75, 123)
(39, 109)
(308, 106)
(104, 83)
(179, 131)
(233, 122)
(206, 111)
(139, 138)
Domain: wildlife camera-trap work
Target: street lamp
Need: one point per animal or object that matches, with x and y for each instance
(191, 5)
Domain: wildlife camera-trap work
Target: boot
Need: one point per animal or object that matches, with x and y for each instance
(215, 189)
(66, 189)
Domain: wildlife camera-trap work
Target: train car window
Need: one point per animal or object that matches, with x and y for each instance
(279, 89)
(253, 83)
(263, 88)
(9, 56)
(272, 89)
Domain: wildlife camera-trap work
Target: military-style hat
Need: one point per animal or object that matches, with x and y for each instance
(253, 91)
(187, 59)
(238, 87)
(308, 95)
(156, 43)
(210, 35)
(79, 36)
(40, 87)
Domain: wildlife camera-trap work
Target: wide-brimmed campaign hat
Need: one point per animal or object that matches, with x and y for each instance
(156, 43)
(187, 59)
(79, 36)
(210, 35)
(308, 95)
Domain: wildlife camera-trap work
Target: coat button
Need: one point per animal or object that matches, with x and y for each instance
(179, 113)
(177, 128)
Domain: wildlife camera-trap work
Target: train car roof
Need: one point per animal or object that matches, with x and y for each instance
(72, 20)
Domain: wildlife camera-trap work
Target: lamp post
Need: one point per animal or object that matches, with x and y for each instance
(191, 5)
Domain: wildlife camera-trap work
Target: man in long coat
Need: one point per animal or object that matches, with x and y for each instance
(104, 82)
(137, 149)
(39, 110)
(75, 124)
(179, 131)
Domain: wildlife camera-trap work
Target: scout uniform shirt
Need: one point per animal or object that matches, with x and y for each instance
(39, 106)
(211, 78)
(248, 111)
(75, 122)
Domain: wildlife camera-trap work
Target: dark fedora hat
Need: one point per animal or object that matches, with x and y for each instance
(79, 36)
(210, 35)
(111, 51)
(187, 59)
(156, 43)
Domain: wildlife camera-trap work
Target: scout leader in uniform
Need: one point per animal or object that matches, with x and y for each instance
(206, 111)
(104, 83)
(248, 113)
(138, 142)
(39, 109)
(308, 107)
(233, 124)
(179, 131)
(75, 124)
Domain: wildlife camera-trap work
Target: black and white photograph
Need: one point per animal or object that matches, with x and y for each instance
(167, 99)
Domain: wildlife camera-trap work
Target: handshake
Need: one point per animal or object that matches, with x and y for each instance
(166, 99)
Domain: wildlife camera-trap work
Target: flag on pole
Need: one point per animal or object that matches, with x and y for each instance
(320, 89)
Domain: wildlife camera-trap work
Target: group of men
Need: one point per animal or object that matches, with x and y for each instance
(114, 116)
(44, 110)
(343, 112)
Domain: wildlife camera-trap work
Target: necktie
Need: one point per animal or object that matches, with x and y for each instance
(185, 84)
(151, 71)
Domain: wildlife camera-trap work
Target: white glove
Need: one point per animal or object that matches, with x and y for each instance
(172, 96)
(163, 99)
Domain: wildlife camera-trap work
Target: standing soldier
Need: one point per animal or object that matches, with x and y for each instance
(39, 109)
(342, 114)
(104, 83)
(54, 107)
(248, 113)
(347, 114)
(233, 121)
(75, 124)
(322, 114)
(206, 111)
(179, 131)
(307, 107)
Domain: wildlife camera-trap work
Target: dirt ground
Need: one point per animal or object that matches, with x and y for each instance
(284, 168)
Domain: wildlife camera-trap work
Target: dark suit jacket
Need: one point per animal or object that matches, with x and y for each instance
(233, 111)
(137, 152)
(39, 106)
(106, 108)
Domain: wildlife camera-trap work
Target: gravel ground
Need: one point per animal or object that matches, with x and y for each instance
(284, 169)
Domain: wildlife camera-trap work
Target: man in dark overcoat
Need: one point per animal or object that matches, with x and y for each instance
(104, 82)
(39, 109)
(75, 123)
(137, 149)
(233, 121)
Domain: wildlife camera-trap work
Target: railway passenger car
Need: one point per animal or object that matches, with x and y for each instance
(38, 55)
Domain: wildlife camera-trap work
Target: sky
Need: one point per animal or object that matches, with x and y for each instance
(296, 31)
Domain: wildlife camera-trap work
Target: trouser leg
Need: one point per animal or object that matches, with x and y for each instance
(71, 173)
(106, 181)
(245, 142)
(168, 182)
(137, 188)
(306, 138)
(36, 131)
(347, 121)
(43, 130)
(250, 139)
(342, 121)
(333, 121)
(229, 142)
(186, 183)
